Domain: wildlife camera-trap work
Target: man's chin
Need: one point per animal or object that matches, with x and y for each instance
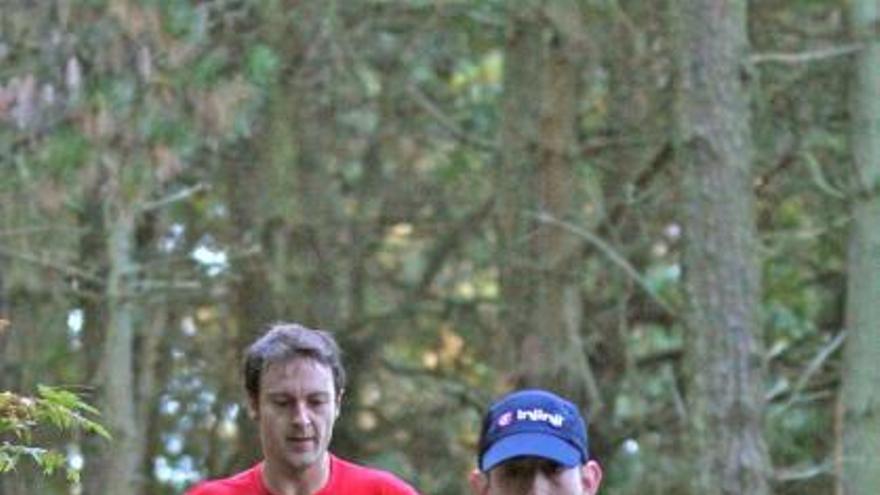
(301, 461)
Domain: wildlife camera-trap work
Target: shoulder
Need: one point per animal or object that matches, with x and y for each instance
(245, 482)
(366, 480)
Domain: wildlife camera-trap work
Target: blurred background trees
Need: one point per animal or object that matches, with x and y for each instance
(859, 397)
(666, 210)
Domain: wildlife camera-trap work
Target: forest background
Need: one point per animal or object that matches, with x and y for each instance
(666, 210)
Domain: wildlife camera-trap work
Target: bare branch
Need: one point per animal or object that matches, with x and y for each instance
(175, 197)
(437, 256)
(450, 384)
(801, 473)
(444, 120)
(812, 367)
(167, 285)
(803, 57)
(45, 262)
(613, 255)
(24, 231)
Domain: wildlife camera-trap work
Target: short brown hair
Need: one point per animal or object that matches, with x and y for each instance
(285, 341)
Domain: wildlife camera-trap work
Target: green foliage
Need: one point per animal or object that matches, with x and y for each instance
(64, 151)
(791, 432)
(401, 104)
(181, 19)
(21, 416)
(208, 70)
(158, 127)
(262, 65)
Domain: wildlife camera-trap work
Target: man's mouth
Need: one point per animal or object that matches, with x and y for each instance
(301, 442)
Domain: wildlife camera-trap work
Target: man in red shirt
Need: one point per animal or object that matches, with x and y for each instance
(295, 380)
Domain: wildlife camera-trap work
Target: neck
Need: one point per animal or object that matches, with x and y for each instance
(281, 480)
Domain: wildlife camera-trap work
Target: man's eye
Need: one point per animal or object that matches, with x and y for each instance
(516, 471)
(553, 469)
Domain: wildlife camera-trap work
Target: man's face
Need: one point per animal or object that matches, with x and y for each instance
(296, 410)
(537, 476)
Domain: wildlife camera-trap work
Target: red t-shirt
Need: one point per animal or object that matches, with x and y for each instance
(346, 478)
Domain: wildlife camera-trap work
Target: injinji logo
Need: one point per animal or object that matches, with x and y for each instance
(539, 415)
(505, 419)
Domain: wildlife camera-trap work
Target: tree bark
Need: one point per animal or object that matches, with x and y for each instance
(520, 110)
(152, 373)
(122, 460)
(93, 256)
(253, 304)
(721, 271)
(541, 313)
(860, 374)
(559, 309)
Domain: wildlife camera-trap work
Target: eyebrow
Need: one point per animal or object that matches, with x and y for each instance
(530, 464)
(280, 393)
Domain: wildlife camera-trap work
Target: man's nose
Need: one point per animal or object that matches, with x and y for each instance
(299, 413)
(540, 485)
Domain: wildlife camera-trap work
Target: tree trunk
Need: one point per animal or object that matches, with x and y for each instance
(540, 293)
(152, 372)
(121, 463)
(311, 124)
(93, 256)
(558, 303)
(720, 264)
(252, 292)
(520, 111)
(860, 396)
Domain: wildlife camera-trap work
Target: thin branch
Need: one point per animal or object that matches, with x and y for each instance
(801, 473)
(803, 57)
(175, 197)
(52, 265)
(785, 160)
(23, 231)
(655, 166)
(812, 368)
(818, 176)
(437, 257)
(613, 255)
(446, 122)
(167, 285)
(453, 386)
(598, 145)
(677, 396)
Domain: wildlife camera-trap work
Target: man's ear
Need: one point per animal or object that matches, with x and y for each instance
(591, 477)
(339, 402)
(478, 482)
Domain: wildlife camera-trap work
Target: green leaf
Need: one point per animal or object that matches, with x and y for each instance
(208, 70)
(65, 150)
(262, 65)
(53, 406)
(181, 19)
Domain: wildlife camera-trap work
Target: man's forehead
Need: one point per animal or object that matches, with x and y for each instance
(299, 370)
(528, 462)
(296, 363)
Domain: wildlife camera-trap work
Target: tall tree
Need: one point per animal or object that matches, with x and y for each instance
(122, 461)
(536, 192)
(520, 110)
(124, 182)
(114, 467)
(860, 395)
(720, 260)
